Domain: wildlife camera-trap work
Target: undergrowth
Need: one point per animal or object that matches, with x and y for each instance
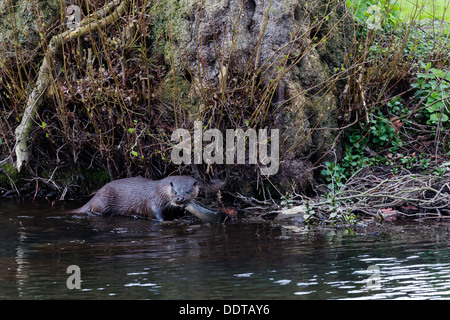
(398, 112)
(116, 94)
(399, 107)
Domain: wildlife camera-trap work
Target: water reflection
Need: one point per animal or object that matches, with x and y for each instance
(126, 258)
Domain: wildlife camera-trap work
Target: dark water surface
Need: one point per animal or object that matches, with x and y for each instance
(126, 258)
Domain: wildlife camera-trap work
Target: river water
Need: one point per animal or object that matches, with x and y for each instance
(126, 258)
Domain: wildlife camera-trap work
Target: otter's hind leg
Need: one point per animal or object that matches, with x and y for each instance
(102, 202)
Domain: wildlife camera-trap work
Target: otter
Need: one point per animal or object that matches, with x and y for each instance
(142, 197)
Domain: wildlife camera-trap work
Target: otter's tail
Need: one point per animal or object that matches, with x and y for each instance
(84, 209)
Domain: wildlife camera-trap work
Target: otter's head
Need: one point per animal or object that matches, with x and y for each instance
(183, 190)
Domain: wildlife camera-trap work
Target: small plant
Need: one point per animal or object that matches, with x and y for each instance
(440, 171)
(408, 161)
(286, 201)
(309, 212)
(378, 134)
(433, 92)
(335, 175)
(425, 163)
(348, 217)
(375, 13)
(397, 106)
(342, 215)
(382, 131)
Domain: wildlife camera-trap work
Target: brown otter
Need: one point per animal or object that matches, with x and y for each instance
(142, 197)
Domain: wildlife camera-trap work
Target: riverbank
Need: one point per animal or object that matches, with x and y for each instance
(372, 194)
(366, 136)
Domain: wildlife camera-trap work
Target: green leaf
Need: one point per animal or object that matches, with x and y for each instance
(434, 118)
(435, 107)
(438, 72)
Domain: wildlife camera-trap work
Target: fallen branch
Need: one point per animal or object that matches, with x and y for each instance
(369, 193)
(380, 195)
(426, 191)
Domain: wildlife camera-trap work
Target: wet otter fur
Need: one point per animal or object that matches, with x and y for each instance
(142, 197)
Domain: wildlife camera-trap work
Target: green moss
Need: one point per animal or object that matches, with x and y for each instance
(8, 170)
(94, 179)
(177, 89)
(25, 27)
(165, 25)
(89, 180)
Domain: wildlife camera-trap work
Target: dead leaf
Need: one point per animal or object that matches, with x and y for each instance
(230, 212)
(389, 214)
